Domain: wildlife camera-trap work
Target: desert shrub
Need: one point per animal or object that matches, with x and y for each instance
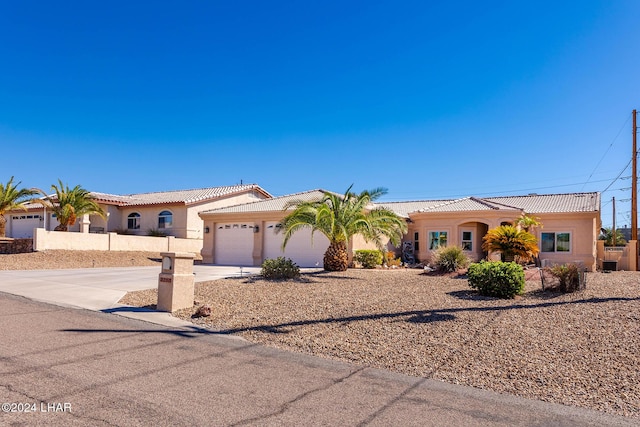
(390, 259)
(449, 258)
(154, 232)
(568, 276)
(279, 269)
(369, 258)
(497, 278)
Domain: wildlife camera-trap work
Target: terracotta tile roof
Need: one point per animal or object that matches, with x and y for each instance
(269, 205)
(548, 203)
(111, 198)
(186, 197)
(533, 203)
(189, 196)
(403, 209)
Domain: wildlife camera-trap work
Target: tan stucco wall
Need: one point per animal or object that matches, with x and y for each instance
(584, 229)
(149, 219)
(45, 240)
(186, 221)
(194, 222)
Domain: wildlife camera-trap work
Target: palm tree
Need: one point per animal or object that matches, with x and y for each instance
(527, 222)
(12, 198)
(70, 203)
(511, 243)
(606, 234)
(339, 217)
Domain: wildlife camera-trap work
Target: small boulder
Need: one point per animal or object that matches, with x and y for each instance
(203, 311)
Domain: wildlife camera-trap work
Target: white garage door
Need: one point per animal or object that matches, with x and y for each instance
(234, 244)
(22, 226)
(299, 247)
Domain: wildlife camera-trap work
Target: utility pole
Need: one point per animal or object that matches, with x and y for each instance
(634, 181)
(614, 237)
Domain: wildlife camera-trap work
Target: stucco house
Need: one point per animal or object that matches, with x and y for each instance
(174, 213)
(570, 224)
(248, 234)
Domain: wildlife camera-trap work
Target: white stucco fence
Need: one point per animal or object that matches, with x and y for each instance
(64, 240)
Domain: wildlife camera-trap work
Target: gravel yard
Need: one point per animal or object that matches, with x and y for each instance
(579, 349)
(46, 260)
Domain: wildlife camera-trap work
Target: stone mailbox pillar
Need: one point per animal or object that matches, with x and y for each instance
(175, 282)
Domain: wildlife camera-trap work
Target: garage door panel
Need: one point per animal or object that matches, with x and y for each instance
(234, 244)
(300, 247)
(22, 226)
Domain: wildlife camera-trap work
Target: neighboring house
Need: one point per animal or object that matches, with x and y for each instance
(250, 233)
(174, 213)
(570, 224)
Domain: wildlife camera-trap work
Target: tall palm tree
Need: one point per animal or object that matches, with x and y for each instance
(11, 197)
(511, 243)
(70, 203)
(339, 217)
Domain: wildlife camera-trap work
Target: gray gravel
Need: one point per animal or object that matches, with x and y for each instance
(579, 349)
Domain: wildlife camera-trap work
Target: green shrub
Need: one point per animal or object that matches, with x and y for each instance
(497, 278)
(279, 268)
(449, 258)
(369, 258)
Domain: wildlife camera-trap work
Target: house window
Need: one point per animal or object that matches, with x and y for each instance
(416, 241)
(555, 242)
(437, 239)
(133, 221)
(467, 241)
(165, 219)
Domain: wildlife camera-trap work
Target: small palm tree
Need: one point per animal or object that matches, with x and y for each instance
(527, 222)
(511, 243)
(11, 197)
(607, 235)
(339, 217)
(70, 203)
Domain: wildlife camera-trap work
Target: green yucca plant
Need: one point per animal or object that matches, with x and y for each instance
(511, 243)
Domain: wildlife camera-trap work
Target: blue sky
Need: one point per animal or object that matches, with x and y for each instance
(428, 99)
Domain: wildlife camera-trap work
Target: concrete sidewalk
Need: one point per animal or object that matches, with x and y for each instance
(103, 370)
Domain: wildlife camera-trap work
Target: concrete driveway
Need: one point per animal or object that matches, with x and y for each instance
(98, 288)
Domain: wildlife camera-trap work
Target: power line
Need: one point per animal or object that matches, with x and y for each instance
(607, 151)
(618, 177)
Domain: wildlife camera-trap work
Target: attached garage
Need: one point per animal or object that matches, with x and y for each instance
(234, 234)
(22, 225)
(234, 244)
(300, 247)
